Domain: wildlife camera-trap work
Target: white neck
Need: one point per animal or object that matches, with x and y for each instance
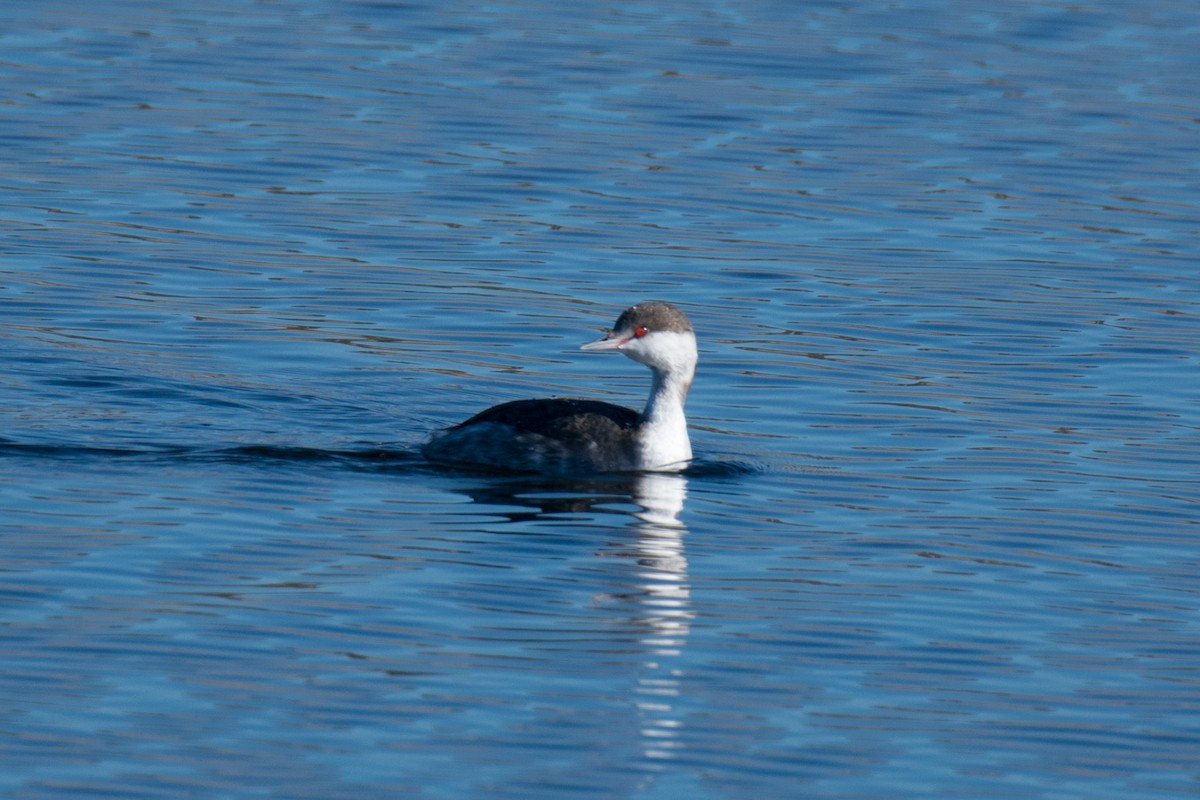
(662, 436)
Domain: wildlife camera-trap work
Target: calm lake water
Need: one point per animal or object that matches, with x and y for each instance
(941, 536)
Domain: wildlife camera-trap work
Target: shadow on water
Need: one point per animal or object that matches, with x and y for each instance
(238, 454)
(370, 458)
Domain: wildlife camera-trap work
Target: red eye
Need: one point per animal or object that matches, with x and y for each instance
(640, 331)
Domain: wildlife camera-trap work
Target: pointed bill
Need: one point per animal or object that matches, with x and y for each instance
(609, 342)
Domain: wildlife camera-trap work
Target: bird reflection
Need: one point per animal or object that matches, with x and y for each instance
(658, 587)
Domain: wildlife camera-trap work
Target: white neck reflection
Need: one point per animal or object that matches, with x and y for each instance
(666, 609)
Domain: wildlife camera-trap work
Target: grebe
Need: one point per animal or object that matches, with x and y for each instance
(574, 436)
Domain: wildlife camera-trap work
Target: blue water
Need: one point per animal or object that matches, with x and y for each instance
(941, 536)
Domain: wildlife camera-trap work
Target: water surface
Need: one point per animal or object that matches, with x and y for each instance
(940, 538)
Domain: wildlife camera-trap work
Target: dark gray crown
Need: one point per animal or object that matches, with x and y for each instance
(654, 316)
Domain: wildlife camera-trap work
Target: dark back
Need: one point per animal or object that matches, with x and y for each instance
(556, 417)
